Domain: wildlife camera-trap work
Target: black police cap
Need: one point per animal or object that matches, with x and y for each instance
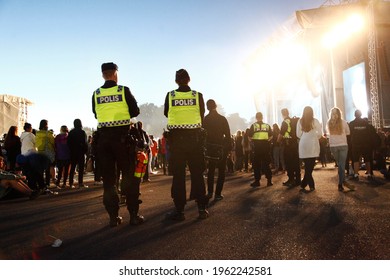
(109, 66)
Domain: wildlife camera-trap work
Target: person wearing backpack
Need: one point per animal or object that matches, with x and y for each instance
(289, 142)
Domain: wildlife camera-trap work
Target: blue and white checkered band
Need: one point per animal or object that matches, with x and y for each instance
(114, 123)
(109, 99)
(184, 102)
(184, 126)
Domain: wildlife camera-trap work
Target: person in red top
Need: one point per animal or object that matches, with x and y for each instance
(154, 150)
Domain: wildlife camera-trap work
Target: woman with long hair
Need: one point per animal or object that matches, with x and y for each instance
(338, 130)
(309, 132)
(13, 147)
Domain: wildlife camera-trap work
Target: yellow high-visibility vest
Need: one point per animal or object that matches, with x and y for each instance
(184, 110)
(260, 131)
(287, 134)
(111, 107)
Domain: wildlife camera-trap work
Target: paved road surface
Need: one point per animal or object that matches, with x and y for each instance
(262, 223)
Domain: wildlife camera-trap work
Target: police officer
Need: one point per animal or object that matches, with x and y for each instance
(261, 134)
(113, 106)
(185, 111)
(289, 142)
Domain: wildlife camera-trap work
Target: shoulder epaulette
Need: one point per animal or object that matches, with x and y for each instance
(172, 93)
(194, 93)
(120, 88)
(97, 91)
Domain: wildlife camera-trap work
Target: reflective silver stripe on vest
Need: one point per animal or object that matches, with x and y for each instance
(114, 123)
(184, 126)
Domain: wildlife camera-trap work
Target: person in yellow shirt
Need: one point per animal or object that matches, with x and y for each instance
(44, 141)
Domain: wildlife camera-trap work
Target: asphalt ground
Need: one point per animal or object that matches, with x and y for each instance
(264, 223)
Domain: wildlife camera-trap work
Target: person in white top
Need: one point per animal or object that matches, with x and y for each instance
(309, 131)
(338, 130)
(27, 138)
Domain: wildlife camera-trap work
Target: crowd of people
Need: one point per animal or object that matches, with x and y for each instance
(47, 159)
(44, 158)
(122, 155)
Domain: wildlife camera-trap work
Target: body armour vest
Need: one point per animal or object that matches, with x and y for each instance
(260, 131)
(184, 110)
(287, 134)
(111, 107)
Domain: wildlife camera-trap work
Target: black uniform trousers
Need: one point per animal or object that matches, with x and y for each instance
(291, 159)
(186, 147)
(262, 159)
(114, 151)
(212, 165)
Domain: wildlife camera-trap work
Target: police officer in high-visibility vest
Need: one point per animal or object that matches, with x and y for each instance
(289, 142)
(261, 134)
(185, 111)
(113, 106)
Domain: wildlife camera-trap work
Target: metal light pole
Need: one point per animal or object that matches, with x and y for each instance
(372, 63)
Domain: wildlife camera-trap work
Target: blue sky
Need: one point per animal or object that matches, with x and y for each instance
(51, 51)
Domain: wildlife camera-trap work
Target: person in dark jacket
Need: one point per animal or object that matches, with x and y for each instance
(362, 134)
(12, 145)
(113, 106)
(184, 109)
(218, 140)
(62, 155)
(77, 143)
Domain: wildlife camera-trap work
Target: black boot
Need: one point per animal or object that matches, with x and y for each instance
(203, 212)
(133, 206)
(136, 219)
(175, 215)
(115, 220)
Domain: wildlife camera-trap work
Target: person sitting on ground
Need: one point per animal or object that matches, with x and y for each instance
(34, 166)
(12, 181)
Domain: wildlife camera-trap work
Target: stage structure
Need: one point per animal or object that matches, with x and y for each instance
(13, 111)
(335, 55)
